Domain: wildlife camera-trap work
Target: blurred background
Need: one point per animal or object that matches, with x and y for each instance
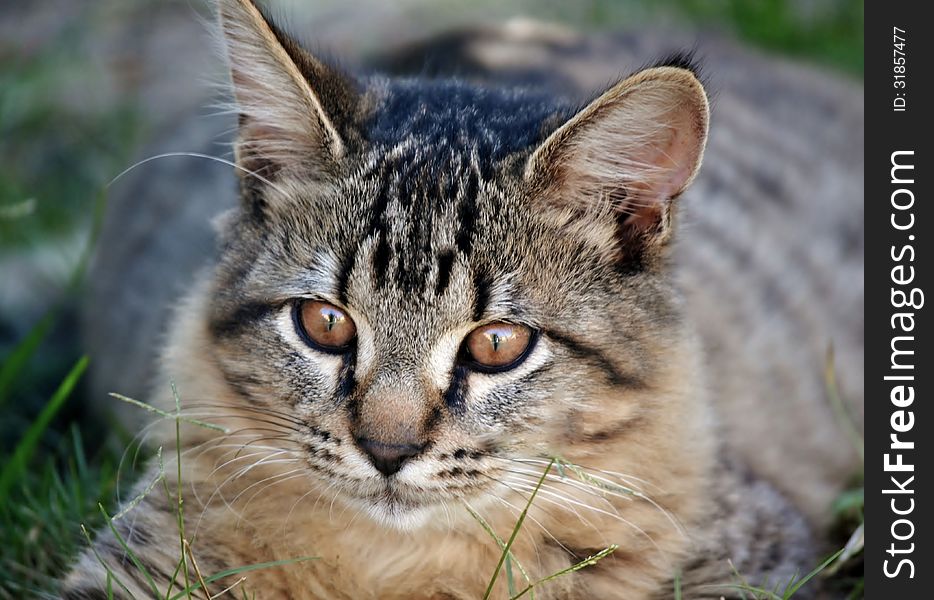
(85, 85)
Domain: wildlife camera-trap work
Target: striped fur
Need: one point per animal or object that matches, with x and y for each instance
(650, 370)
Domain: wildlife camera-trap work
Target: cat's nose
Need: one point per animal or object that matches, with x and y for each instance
(388, 458)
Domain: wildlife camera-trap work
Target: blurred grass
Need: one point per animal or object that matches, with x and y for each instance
(830, 31)
(56, 155)
(826, 32)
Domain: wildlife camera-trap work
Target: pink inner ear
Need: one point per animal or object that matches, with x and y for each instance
(677, 161)
(631, 150)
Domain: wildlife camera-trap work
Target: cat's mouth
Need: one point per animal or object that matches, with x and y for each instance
(397, 506)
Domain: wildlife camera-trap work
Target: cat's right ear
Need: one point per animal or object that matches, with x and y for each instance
(295, 111)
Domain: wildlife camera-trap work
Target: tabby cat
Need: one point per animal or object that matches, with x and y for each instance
(432, 296)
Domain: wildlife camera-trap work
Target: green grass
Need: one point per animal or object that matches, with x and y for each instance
(832, 34)
(44, 503)
(56, 156)
(187, 563)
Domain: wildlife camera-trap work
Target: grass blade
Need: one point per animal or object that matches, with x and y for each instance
(587, 562)
(27, 445)
(515, 530)
(130, 553)
(836, 402)
(227, 573)
(167, 415)
(16, 361)
(812, 574)
(499, 541)
(111, 576)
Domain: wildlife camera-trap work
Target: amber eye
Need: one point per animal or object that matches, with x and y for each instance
(498, 346)
(324, 326)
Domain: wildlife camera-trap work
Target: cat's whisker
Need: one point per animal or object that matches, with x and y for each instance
(525, 497)
(532, 518)
(325, 493)
(331, 508)
(546, 495)
(552, 483)
(218, 488)
(264, 480)
(268, 438)
(629, 490)
(268, 420)
(255, 409)
(243, 457)
(357, 512)
(314, 487)
(583, 485)
(137, 442)
(235, 449)
(268, 487)
(639, 494)
(609, 514)
(447, 516)
(262, 462)
(629, 480)
(223, 161)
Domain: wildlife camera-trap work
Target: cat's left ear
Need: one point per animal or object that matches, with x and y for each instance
(628, 153)
(296, 112)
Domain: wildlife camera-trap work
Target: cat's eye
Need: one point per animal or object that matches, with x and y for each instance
(324, 326)
(498, 347)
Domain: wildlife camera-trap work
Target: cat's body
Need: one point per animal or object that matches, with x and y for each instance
(633, 393)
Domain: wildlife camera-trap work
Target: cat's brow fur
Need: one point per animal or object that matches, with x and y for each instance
(424, 208)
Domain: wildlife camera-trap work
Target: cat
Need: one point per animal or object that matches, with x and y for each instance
(430, 291)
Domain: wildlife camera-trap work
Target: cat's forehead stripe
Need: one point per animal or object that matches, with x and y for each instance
(409, 221)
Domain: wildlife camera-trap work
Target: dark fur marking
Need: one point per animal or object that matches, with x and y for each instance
(343, 278)
(445, 265)
(239, 383)
(240, 318)
(481, 284)
(347, 379)
(456, 394)
(322, 453)
(136, 535)
(598, 358)
(610, 432)
(467, 214)
(682, 59)
(381, 257)
(578, 554)
(85, 593)
(325, 435)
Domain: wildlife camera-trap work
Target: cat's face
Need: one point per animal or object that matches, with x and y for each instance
(431, 282)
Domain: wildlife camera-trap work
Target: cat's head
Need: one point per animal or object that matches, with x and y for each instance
(431, 279)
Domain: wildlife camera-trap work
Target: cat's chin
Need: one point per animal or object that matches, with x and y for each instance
(396, 510)
(397, 514)
(400, 516)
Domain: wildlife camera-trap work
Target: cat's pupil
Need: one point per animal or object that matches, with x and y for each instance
(324, 326)
(498, 346)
